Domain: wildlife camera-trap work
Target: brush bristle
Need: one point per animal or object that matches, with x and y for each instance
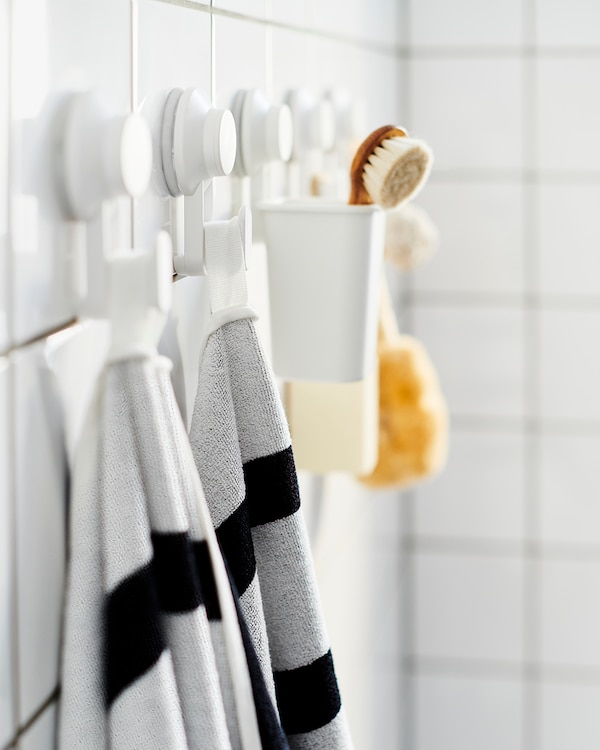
(397, 170)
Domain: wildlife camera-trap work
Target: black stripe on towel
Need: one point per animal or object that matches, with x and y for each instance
(271, 487)
(308, 697)
(175, 573)
(235, 538)
(207, 580)
(134, 637)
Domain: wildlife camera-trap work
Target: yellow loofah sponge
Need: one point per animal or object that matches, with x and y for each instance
(413, 418)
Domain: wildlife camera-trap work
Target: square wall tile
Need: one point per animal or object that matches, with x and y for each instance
(478, 353)
(570, 613)
(480, 494)
(7, 727)
(468, 607)
(467, 714)
(41, 735)
(563, 96)
(178, 59)
(293, 64)
(570, 488)
(58, 47)
(569, 226)
(41, 517)
(340, 17)
(481, 238)
(573, 23)
(466, 22)
(570, 717)
(570, 364)
(470, 111)
(230, 37)
(387, 707)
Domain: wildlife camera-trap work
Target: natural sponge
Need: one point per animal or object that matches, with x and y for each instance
(413, 417)
(411, 237)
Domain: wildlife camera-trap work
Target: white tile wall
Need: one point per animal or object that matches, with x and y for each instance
(256, 8)
(468, 608)
(41, 735)
(480, 495)
(574, 23)
(467, 22)
(570, 487)
(559, 101)
(4, 126)
(40, 493)
(467, 713)
(58, 46)
(569, 368)
(570, 613)
(481, 230)
(7, 727)
(479, 357)
(569, 231)
(470, 114)
(570, 717)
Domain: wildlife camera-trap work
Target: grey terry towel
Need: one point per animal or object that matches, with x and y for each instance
(140, 664)
(241, 445)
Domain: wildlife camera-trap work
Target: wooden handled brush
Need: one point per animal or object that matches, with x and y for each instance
(388, 168)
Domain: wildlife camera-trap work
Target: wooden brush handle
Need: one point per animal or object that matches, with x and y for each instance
(388, 325)
(358, 192)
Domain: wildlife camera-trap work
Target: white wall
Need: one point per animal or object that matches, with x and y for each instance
(502, 602)
(47, 48)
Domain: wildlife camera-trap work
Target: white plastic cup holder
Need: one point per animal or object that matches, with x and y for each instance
(313, 121)
(103, 156)
(324, 264)
(265, 131)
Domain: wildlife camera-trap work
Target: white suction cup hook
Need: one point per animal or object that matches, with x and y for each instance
(102, 156)
(198, 141)
(265, 131)
(313, 122)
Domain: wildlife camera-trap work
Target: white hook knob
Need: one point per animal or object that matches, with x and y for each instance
(265, 131)
(103, 156)
(313, 122)
(198, 141)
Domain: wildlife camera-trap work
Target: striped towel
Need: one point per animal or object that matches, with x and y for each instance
(142, 667)
(241, 445)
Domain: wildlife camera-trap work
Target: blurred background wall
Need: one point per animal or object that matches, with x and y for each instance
(464, 614)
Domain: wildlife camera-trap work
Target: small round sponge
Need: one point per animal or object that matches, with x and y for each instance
(413, 417)
(411, 237)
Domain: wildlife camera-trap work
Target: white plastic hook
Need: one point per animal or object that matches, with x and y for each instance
(102, 156)
(197, 143)
(265, 131)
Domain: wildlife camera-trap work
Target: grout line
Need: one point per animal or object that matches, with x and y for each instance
(514, 301)
(511, 52)
(38, 338)
(529, 549)
(517, 177)
(52, 698)
(533, 673)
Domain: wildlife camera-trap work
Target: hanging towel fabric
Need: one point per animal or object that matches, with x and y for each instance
(140, 667)
(242, 449)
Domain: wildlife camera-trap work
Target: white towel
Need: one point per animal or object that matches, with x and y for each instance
(139, 659)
